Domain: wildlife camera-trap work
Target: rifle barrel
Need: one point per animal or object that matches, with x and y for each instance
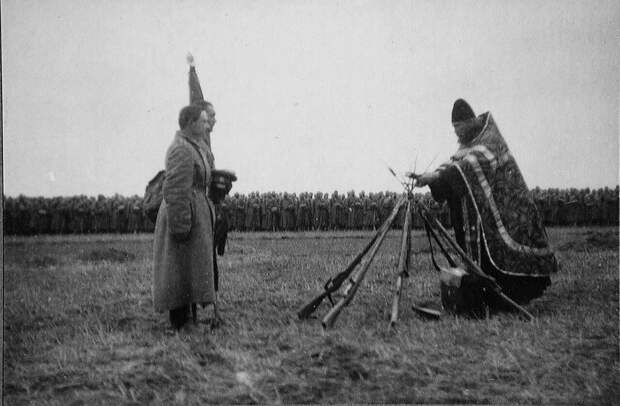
(356, 280)
(403, 266)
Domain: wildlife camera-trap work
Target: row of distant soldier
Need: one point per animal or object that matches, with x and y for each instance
(282, 211)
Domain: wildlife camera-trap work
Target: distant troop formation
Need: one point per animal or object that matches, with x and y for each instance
(74, 215)
(282, 211)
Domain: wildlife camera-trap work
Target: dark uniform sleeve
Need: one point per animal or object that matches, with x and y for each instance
(449, 185)
(178, 190)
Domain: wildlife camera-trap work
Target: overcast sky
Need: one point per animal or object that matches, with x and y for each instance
(309, 95)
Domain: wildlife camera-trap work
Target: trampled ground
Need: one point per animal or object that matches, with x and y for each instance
(79, 328)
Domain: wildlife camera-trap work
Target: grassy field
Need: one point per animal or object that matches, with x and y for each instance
(79, 328)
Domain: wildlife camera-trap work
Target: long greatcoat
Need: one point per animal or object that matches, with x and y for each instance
(183, 271)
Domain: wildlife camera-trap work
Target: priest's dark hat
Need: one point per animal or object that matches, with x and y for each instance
(462, 111)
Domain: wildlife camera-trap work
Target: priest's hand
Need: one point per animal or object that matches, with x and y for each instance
(426, 178)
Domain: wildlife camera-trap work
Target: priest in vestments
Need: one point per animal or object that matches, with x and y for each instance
(494, 216)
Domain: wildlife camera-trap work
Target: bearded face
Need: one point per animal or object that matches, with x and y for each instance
(467, 130)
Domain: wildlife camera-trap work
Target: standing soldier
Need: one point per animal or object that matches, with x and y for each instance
(183, 264)
(256, 214)
(374, 208)
(100, 214)
(290, 211)
(358, 212)
(89, 206)
(276, 213)
(248, 212)
(349, 204)
(131, 220)
(315, 210)
(613, 207)
(366, 203)
(247, 224)
(310, 210)
(47, 223)
(286, 212)
(113, 213)
(265, 212)
(23, 215)
(342, 212)
(379, 203)
(562, 210)
(334, 210)
(416, 219)
(554, 203)
(547, 210)
(9, 216)
(64, 207)
(387, 206)
(294, 211)
(123, 218)
(232, 212)
(225, 207)
(43, 216)
(34, 216)
(325, 207)
(79, 214)
(609, 203)
(579, 212)
(138, 214)
(240, 212)
(599, 211)
(589, 208)
(302, 215)
(324, 212)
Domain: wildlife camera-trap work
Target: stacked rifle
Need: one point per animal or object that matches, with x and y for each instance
(354, 278)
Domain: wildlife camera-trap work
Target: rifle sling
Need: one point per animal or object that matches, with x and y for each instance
(430, 232)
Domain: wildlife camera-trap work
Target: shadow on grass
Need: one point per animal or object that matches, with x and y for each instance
(581, 293)
(108, 254)
(43, 261)
(592, 240)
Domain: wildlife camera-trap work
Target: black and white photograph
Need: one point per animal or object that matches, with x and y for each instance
(310, 202)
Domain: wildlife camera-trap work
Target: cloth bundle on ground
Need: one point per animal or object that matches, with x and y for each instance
(493, 214)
